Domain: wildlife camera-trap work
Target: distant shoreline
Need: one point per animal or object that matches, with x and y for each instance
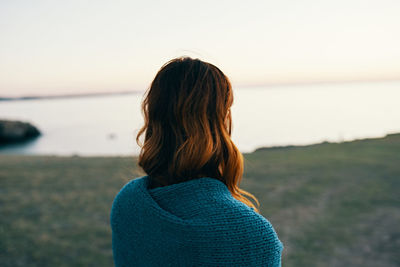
(23, 98)
(239, 86)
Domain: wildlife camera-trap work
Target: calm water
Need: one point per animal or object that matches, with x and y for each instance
(282, 115)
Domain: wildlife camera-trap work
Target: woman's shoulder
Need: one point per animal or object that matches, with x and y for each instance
(256, 225)
(124, 199)
(244, 233)
(132, 185)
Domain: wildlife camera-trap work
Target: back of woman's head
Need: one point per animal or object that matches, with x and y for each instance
(187, 127)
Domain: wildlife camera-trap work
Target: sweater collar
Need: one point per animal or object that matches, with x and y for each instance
(205, 185)
(186, 199)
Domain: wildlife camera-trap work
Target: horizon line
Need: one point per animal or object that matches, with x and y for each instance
(239, 86)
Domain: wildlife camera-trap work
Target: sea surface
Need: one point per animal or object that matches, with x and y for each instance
(262, 116)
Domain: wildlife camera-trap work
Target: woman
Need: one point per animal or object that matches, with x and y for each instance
(189, 210)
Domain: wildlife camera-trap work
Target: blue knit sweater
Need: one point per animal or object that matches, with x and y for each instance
(193, 223)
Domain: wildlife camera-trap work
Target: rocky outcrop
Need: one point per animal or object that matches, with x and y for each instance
(16, 132)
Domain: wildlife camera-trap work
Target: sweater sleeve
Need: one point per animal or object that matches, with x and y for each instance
(273, 246)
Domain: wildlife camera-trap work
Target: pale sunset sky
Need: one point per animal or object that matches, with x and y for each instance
(61, 47)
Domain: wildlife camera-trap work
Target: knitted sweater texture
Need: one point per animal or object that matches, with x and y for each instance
(192, 223)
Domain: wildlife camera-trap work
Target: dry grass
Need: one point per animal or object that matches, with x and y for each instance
(331, 204)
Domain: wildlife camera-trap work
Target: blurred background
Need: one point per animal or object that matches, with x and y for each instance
(316, 113)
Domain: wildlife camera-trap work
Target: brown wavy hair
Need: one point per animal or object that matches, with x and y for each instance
(187, 127)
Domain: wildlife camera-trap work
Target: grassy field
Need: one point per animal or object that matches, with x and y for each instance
(331, 204)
